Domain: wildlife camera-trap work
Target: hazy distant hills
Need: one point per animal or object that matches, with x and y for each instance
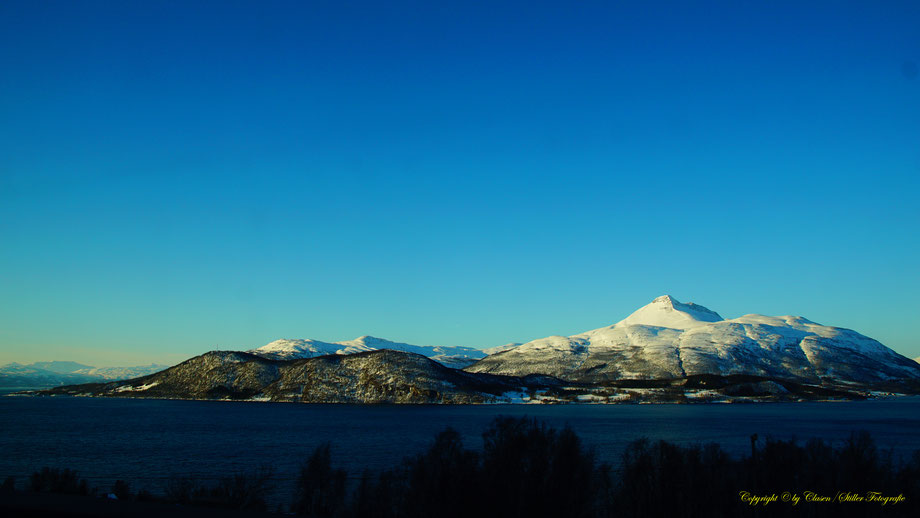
(55, 373)
(60, 367)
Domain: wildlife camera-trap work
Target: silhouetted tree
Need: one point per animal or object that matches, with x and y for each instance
(248, 490)
(53, 480)
(320, 489)
(121, 490)
(531, 470)
(665, 479)
(181, 490)
(527, 469)
(444, 480)
(383, 496)
(245, 490)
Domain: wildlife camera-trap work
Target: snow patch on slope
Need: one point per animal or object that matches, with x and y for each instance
(141, 388)
(500, 348)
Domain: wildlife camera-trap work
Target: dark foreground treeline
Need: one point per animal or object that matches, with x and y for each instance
(526, 469)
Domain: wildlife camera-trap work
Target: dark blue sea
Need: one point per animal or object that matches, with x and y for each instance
(146, 442)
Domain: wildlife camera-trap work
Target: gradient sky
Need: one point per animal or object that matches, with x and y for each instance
(177, 178)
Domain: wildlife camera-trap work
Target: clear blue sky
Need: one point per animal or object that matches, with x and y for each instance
(176, 178)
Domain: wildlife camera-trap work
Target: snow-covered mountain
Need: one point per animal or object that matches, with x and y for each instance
(288, 349)
(19, 375)
(53, 373)
(61, 367)
(670, 339)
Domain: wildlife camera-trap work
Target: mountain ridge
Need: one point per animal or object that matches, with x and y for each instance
(52, 373)
(289, 349)
(666, 350)
(667, 338)
(378, 376)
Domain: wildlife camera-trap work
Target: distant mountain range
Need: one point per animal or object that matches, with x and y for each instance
(378, 376)
(55, 373)
(664, 351)
(287, 349)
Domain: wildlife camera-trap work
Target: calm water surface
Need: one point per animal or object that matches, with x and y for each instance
(148, 441)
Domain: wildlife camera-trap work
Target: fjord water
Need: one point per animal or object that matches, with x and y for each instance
(146, 442)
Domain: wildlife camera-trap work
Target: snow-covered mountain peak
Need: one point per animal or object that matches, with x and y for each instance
(367, 340)
(285, 344)
(370, 343)
(666, 311)
(287, 349)
(666, 300)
